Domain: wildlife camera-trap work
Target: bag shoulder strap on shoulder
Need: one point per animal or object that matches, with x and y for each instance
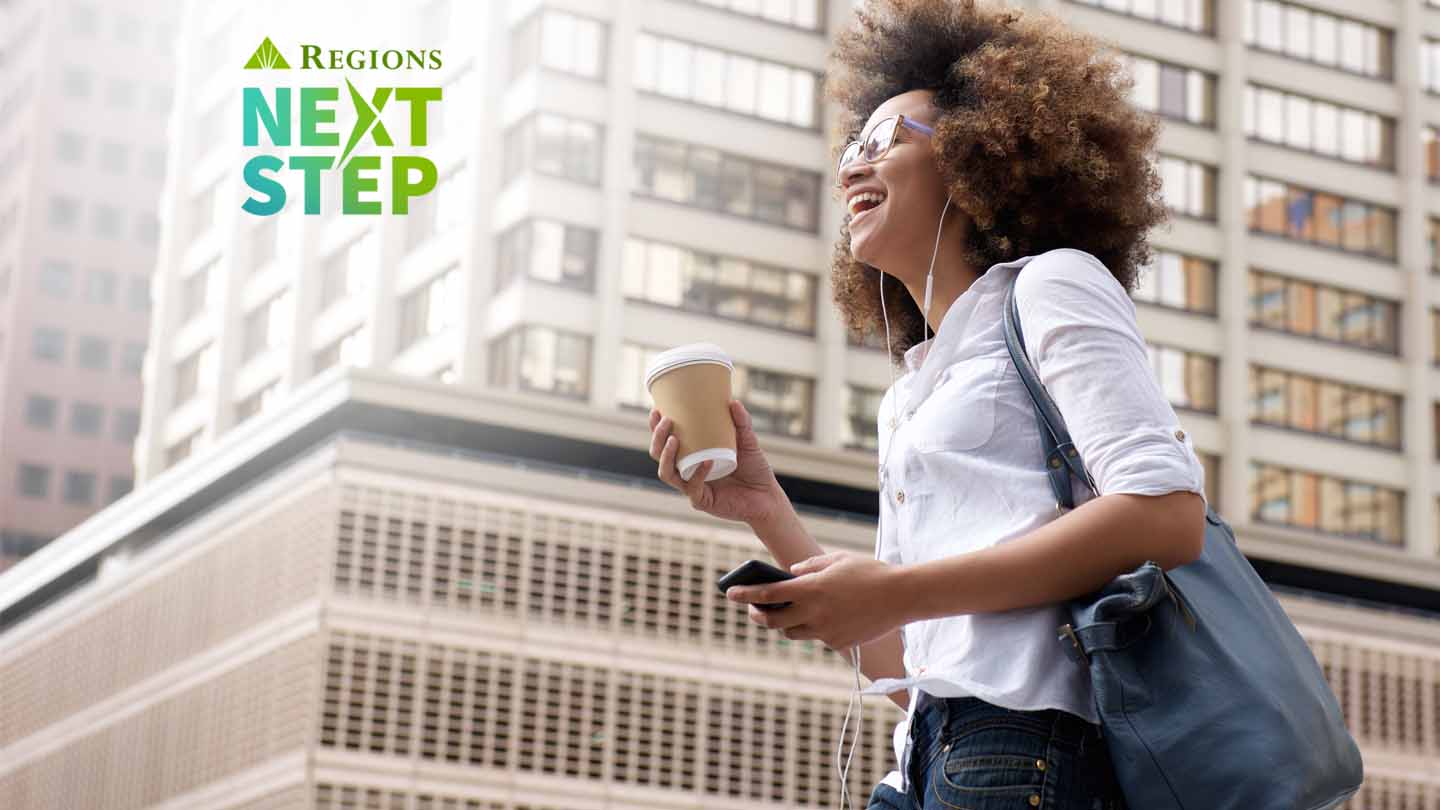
(1062, 459)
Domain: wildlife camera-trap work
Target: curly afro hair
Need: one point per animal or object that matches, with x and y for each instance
(1035, 140)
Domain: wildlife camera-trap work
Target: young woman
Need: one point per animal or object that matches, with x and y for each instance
(980, 141)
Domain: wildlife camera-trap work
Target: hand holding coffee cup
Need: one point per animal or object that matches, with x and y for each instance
(747, 492)
(691, 384)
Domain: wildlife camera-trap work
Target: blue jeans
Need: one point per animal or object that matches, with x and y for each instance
(967, 754)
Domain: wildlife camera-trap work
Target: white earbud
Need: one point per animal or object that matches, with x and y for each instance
(925, 318)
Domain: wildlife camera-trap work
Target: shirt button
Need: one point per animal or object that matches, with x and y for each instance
(1180, 434)
(1040, 763)
(900, 496)
(1035, 800)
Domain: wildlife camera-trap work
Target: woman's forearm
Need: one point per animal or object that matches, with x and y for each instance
(1068, 557)
(785, 536)
(789, 543)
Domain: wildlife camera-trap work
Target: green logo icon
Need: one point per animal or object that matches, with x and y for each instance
(267, 57)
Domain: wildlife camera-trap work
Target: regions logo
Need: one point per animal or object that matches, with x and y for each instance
(267, 57)
(304, 116)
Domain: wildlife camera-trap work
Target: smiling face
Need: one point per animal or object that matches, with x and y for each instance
(912, 193)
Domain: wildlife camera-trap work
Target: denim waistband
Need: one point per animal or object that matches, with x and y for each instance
(937, 719)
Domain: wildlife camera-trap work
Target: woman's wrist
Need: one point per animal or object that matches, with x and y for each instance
(778, 515)
(781, 531)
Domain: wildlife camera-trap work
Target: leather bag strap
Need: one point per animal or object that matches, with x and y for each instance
(1062, 459)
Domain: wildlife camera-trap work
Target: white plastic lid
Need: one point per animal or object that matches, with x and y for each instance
(684, 356)
(724, 458)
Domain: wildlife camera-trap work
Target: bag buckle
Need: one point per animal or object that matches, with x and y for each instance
(1076, 651)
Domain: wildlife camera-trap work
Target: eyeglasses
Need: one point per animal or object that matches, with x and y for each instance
(878, 142)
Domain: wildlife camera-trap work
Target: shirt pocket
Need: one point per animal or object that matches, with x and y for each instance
(960, 413)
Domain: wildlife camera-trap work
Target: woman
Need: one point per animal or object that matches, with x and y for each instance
(991, 141)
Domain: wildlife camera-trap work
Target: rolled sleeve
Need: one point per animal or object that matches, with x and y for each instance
(1081, 335)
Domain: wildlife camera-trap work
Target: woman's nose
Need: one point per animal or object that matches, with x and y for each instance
(853, 171)
(857, 166)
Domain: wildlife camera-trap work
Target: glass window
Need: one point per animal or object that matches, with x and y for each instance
(40, 411)
(69, 146)
(798, 13)
(34, 481)
(739, 83)
(194, 375)
(93, 353)
(772, 193)
(1349, 134)
(740, 79)
(267, 327)
(132, 357)
(778, 403)
(57, 278)
(1188, 379)
(709, 80)
(126, 425)
(138, 294)
(547, 251)
(106, 221)
(1320, 218)
(350, 270)
(181, 450)
(264, 242)
(64, 212)
(1189, 187)
(1325, 407)
(559, 41)
(120, 486)
(554, 145)
(86, 418)
(1319, 37)
(1430, 64)
(1326, 504)
(1178, 281)
(48, 344)
(101, 286)
(257, 402)
(1194, 15)
(721, 286)
(542, 359)
(429, 309)
(197, 291)
(351, 350)
(79, 488)
(858, 427)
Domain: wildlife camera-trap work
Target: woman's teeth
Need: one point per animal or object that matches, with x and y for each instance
(860, 199)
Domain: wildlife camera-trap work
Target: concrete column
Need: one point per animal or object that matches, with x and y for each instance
(619, 150)
(482, 158)
(1414, 256)
(1234, 278)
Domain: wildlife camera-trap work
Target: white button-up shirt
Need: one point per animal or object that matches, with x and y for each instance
(962, 469)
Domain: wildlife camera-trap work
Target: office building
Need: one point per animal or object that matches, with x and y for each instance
(85, 94)
(398, 543)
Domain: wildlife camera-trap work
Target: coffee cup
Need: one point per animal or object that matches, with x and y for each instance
(691, 385)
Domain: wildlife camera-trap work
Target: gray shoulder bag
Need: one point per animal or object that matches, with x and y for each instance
(1208, 696)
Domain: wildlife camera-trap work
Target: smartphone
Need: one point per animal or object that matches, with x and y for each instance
(755, 572)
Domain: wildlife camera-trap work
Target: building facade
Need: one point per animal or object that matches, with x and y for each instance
(85, 93)
(619, 177)
(357, 602)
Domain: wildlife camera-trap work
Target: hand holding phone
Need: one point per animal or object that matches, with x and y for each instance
(755, 572)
